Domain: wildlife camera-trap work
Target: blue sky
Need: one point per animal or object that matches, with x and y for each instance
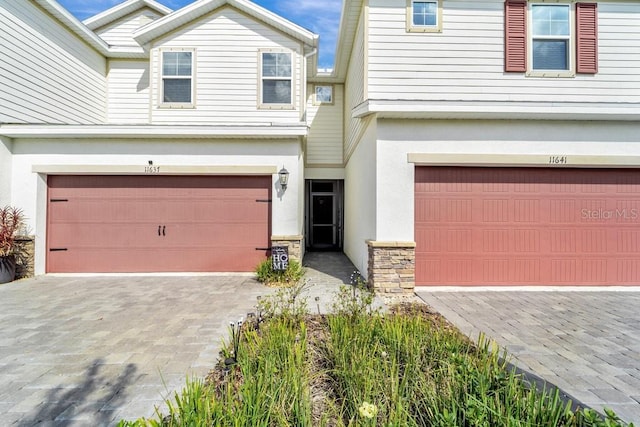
(320, 16)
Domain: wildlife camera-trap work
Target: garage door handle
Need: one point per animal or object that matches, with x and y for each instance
(159, 228)
(163, 227)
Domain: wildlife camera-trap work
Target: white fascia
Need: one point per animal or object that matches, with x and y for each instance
(154, 131)
(498, 110)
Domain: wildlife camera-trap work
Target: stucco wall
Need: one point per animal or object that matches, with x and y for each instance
(398, 138)
(360, 200)
(5, 171)
(29, 188)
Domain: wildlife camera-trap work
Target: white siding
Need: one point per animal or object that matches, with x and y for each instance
(118, 33)
(128, 92)
(354, 91)
(227, 44)
(324, 143)
(47, 74)
(465, 62)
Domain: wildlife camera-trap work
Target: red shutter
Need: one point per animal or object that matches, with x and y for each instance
(587, 37)
(515, 36)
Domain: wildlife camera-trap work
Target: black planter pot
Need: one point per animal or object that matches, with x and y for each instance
(7, 269)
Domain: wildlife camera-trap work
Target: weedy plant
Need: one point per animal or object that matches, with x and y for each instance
(355, 299)
(289, 303)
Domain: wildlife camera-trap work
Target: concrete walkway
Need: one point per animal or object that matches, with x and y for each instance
(586, 343)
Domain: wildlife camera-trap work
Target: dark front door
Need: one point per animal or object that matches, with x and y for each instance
(324, 214)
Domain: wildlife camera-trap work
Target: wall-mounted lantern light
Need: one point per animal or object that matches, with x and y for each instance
(284, 178)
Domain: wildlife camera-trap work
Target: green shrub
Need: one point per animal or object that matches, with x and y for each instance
(289, 277)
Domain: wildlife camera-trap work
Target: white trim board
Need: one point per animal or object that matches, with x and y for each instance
(155, 169)
(555, 160)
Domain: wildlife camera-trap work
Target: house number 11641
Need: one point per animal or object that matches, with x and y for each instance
(557, 160)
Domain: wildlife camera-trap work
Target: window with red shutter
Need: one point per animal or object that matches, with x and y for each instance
(515, 36)
(587, 38)
(546, 58)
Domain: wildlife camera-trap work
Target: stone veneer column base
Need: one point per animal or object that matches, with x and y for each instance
(25, 256)
(294, 243)
(392, 266)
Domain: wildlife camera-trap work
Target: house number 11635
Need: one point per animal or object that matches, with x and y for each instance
(152, 169)
(557, 160)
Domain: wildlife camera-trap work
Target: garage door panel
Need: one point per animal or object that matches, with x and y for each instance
(106, 236)
(458, 269)
(628, 270)
(82, 210)
(526, 270)
(215, 235)
(157, 223)
(527, 226)
(563, 241)
(495, 210)
(628, 242)
(562, 211)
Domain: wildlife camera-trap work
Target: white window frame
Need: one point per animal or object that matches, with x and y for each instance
(261, 78)
(162, 78)
(413, 28)
(316, 101)
(571, 39)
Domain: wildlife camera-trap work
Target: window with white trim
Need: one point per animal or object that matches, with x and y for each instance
(551, 37)
(177, 77)
(324, 94)
(276, 79)
(424, 16)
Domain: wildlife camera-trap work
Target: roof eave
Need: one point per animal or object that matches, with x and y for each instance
(71, 22)
(123, 9)
(346, 35)
(197, 9)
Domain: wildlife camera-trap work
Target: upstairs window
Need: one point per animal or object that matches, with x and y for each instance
(551, 36)
(177, 77)
(424, 16)
(276, 69)
(324, 94)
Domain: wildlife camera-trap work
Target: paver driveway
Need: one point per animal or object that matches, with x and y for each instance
(93, 350)
(587, 343)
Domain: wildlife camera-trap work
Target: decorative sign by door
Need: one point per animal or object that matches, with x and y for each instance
(280, 258)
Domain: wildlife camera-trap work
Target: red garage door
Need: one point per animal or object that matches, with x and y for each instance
(157, 223)
(502, 226)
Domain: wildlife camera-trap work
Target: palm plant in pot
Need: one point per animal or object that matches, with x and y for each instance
(10, 222)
